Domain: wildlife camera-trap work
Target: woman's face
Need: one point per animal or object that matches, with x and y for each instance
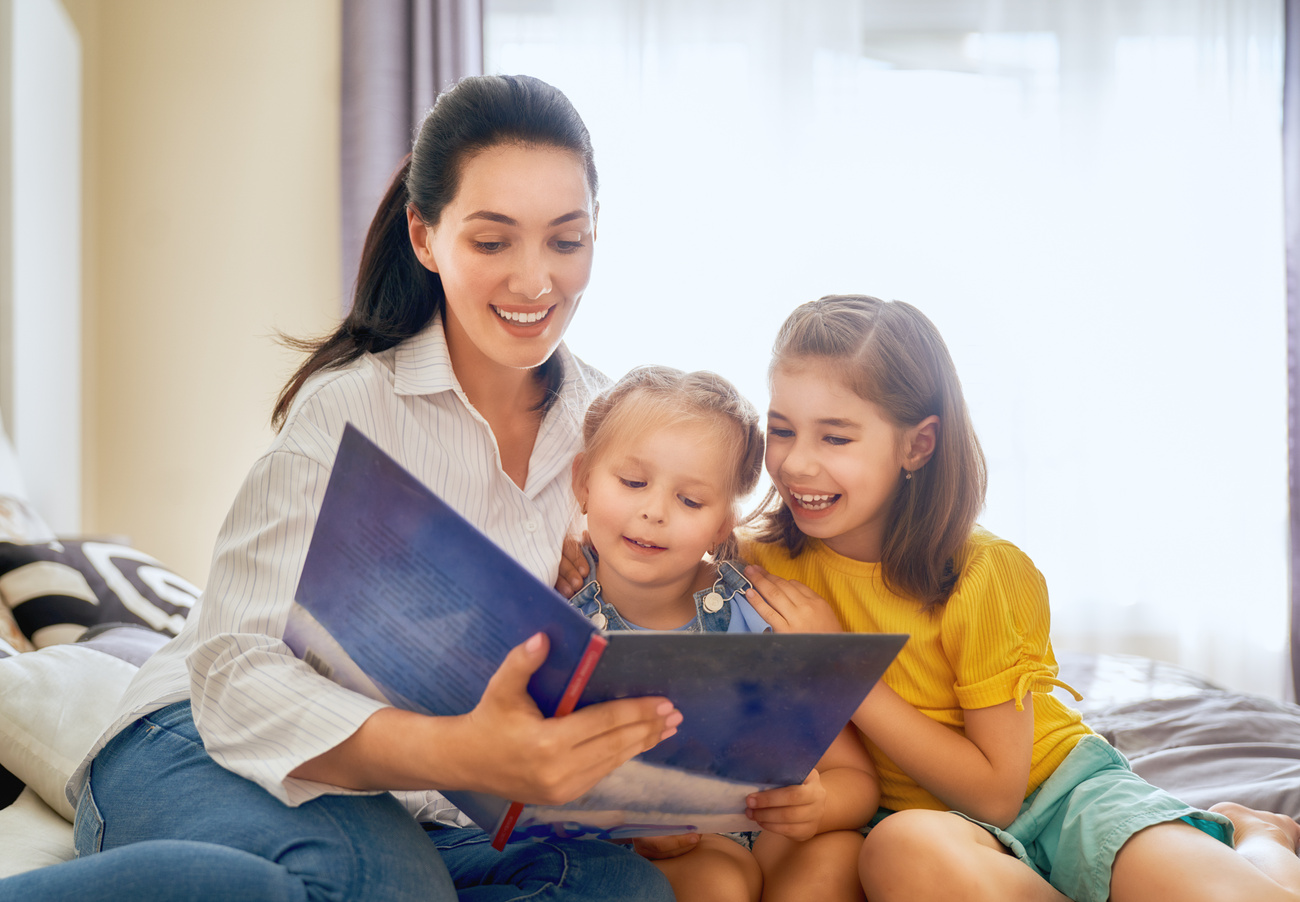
(513, 250)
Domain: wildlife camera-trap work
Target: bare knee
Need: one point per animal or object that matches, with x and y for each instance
(717, 870)
(920, 855)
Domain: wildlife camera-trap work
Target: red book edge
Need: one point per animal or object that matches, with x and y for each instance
(577, 682)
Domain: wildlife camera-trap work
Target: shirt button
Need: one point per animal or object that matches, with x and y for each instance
(530, 525)
(713, 602)
(599, 620)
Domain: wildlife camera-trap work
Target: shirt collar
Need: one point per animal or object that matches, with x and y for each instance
(422, 365)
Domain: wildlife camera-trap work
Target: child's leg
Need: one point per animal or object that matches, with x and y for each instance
(716, 870)
(1177, 861)
(919, 855)
(824, 868)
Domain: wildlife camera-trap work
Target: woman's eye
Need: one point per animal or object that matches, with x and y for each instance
(691, 503)
(489, 247)
(632, 483)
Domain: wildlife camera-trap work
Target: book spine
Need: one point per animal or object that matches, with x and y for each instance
(572, 692)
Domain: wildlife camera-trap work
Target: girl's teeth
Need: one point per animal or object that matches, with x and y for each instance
(814, 502)
(522, 318)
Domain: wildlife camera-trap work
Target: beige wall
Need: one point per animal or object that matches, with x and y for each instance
(210, 222)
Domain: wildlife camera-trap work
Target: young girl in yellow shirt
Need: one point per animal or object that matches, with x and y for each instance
(991, 788)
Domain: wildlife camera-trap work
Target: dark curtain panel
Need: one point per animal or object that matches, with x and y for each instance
(1291, 187)
(397, 56)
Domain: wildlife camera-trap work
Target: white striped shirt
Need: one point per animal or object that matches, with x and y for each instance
(261, 711)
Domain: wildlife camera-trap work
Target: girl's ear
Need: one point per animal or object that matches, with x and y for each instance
(919, 443)
(420, 234)
(579, 487)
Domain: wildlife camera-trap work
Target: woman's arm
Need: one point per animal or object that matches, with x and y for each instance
(984, 773)
(504, 746)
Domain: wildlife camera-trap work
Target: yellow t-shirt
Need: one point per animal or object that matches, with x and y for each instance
(986, 645)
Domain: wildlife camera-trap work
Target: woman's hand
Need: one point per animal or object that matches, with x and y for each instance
(550, 761)
(573, 567)
(504, 746)
(789, 606)
(792, 811)
(658, 847)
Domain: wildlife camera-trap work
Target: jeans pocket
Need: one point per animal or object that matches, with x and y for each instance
(88, 827)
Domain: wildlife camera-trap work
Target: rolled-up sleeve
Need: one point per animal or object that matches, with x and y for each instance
(996, 630)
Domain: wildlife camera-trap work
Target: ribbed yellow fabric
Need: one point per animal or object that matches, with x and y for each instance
(987, 645)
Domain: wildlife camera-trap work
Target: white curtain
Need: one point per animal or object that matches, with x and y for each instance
(1084, 195)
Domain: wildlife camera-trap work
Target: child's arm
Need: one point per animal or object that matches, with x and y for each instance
(841, 793)
(983, 773)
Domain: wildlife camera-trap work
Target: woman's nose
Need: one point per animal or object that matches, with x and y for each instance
(531, 278)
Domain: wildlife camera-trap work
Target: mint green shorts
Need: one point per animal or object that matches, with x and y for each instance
(1071, 827)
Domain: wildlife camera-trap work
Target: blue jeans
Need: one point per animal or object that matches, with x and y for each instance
(160, 820)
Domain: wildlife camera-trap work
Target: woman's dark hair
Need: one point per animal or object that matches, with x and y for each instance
(889, 353)
(396, 297)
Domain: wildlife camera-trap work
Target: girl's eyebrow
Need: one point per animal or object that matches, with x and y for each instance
(833, 422)
(511, 221)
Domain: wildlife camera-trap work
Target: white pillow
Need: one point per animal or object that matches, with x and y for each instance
(32, 835)
(54, 704)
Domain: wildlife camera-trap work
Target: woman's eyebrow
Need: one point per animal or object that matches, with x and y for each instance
(510, 221)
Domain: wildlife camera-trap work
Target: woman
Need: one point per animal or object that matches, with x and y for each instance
(451, 360)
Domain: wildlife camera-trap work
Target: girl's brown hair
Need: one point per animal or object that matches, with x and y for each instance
(655, 397)
(890, 354)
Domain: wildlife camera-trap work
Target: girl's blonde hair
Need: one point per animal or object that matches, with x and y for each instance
(657, 397)
(890, 354)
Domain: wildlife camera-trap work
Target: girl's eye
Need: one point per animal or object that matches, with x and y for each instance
(568, 247)
(632, 483)
(489, 247)
(777, 432)
(835, 440)
(692, 504)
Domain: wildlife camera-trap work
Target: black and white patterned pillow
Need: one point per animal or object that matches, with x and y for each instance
(58, 589)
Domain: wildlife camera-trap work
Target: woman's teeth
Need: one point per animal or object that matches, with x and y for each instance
(814, 502)
(522, 318)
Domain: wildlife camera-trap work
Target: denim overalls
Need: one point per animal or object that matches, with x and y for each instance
(722, 608)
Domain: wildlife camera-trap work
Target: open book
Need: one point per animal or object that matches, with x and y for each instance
(403, 600)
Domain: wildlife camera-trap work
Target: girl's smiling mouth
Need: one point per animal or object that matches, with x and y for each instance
(642, 546)
(813, 503)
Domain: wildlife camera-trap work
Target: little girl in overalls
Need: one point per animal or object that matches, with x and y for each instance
(666, 458)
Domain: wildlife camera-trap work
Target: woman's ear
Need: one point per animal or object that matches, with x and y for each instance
(420, 234)
(919, 443)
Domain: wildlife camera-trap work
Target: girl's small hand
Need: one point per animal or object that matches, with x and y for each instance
(654, 847)
(789, 606)
(573, 567)
(792, 811)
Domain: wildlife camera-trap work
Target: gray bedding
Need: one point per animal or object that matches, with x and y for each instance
(1190, 737)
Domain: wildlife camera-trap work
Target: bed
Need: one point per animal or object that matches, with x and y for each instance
(78, 617)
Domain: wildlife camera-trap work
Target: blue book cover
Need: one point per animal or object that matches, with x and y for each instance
(405, 601)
